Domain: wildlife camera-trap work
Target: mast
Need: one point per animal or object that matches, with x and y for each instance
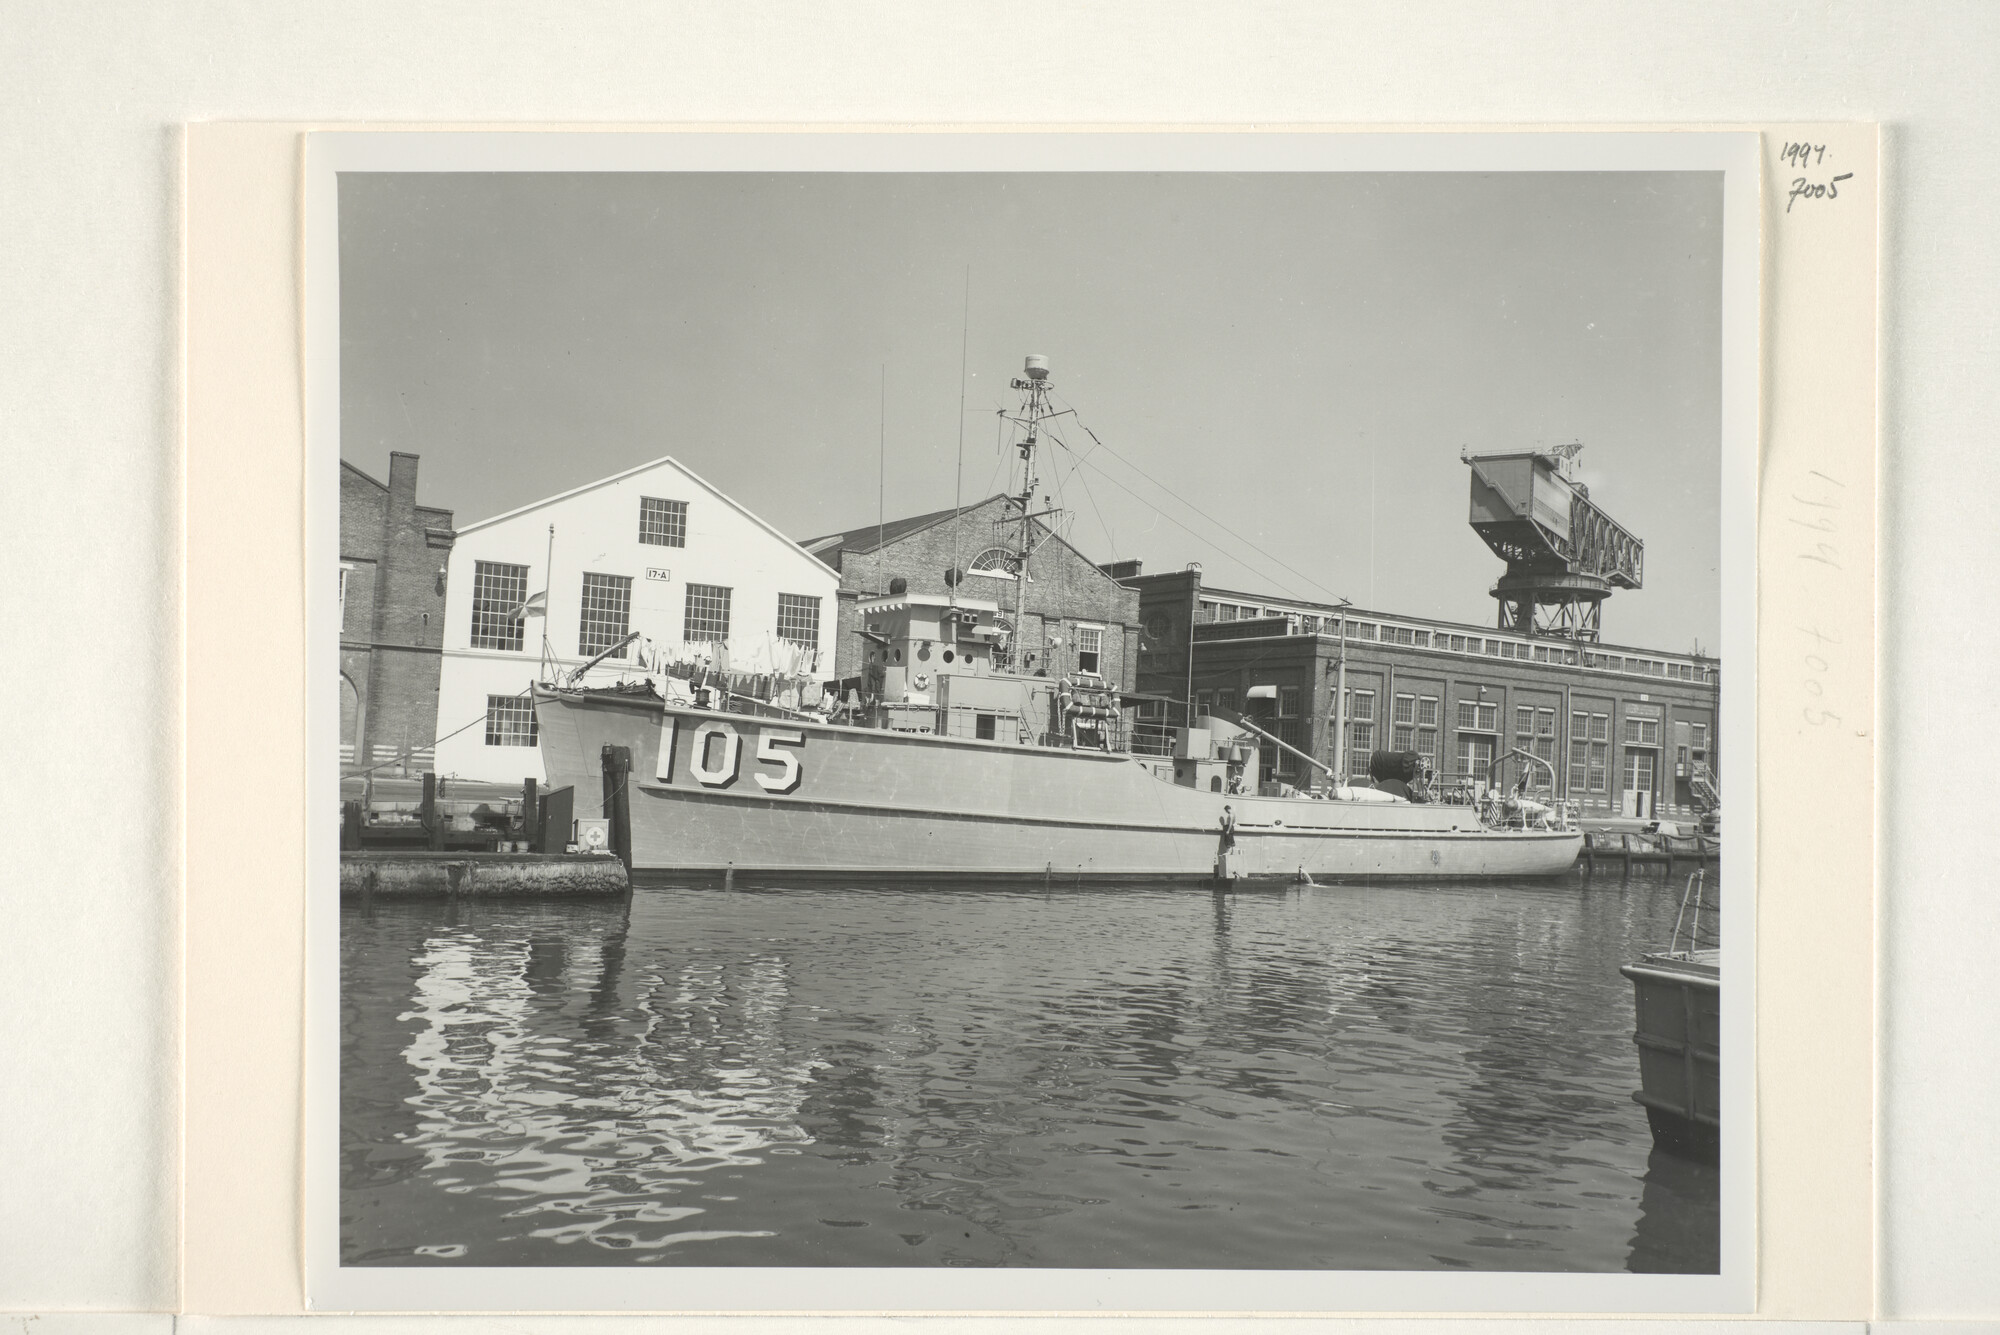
(1034, 386)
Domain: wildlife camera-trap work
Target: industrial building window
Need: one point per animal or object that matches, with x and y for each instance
(1309, 625)
(1524, 722)
(1360, 731)
(1203, 702)
(798, 619)
(1226, 700)
(1282, 761)
(1642, 732)
(1701, 743)
(1478, 716)
(663, 523)
(1207, 611)
(1360, 630)
(1579, 751)
(1288, 702)
(1089, 648)
(1427, 728)
(1403, 714)
(707, 613)
(1226, 612)
(510, 721)
(1600, 752)
(607, 614)
(499, 598)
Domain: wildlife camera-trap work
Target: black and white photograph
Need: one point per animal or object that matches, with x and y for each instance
(1040, 716)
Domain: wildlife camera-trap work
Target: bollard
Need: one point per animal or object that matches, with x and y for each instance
(729, 877)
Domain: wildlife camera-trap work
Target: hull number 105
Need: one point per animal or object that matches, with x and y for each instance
(715, 756)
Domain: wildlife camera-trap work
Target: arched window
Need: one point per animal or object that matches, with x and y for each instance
(996, 563)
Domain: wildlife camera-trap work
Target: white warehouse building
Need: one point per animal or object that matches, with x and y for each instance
(542, 590)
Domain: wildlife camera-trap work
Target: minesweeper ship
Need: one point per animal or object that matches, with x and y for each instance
(948, 764)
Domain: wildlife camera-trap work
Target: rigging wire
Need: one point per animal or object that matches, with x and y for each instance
(1109, 541)
(1192, 506)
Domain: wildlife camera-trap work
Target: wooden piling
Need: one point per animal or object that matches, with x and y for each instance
(617, 763)
(1625, 840)
(433, 822)
(350, 825)
(531, 818)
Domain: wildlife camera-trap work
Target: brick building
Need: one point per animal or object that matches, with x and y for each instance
(1064, 613)
(1626, 731)
(393, 554)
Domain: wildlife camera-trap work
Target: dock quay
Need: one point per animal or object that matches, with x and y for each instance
(397, 874)
(1623, 845)
(421, 837)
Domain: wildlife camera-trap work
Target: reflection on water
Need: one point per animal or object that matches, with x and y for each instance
(1319, 1077)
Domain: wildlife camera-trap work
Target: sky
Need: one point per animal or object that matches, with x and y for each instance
(1282, 369)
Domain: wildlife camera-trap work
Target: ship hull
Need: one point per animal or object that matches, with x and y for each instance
(723, 792)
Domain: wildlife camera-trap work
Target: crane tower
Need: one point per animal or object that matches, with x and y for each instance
(1564, 555)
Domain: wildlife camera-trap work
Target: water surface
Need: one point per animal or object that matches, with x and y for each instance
(1342, 1077)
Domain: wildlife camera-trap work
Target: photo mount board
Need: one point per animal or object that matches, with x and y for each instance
(1812, 1212)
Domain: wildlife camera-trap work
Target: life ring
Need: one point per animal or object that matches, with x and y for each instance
(921, 682)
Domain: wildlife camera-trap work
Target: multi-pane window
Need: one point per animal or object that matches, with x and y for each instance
(1403, 714)
(607, 614)
(798, 619)
(1642, 731)
(1282, 761)
(1427, 728)
(1226, 700)
(1700, 741)
(1545, 736)
(510, 721)
(499, 605)
(663, 523)
(1579, 751)
(1600, 752)
(1288, 702)
(707, 616)
(1089, 648)
(1479, 715)
(1360, 731)
(1204, 701)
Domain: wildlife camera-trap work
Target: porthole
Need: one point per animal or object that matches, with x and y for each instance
(899, 655)
(948, 656)
(924, 654)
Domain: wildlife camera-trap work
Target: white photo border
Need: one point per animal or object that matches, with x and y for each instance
(793, 1290)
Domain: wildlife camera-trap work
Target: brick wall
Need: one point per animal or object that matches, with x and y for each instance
(1065, 588)
(392, 621)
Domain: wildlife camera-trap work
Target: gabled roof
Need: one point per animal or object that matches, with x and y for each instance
(685, 471)
(873, 537)
(364, 476)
